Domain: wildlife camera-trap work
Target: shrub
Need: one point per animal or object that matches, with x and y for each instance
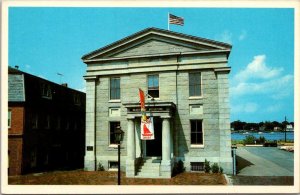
(215, 168)
(178, 168)
(261, 140)
(221, 170)
(249, 139)
(207, 167)
(100, 167)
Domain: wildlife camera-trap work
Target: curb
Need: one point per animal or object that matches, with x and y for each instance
(228, 180)
(251, 145)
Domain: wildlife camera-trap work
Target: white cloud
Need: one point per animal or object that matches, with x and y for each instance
(261, 84)
(276, 88)
(27, 66)
(257, 69)
(243, 35)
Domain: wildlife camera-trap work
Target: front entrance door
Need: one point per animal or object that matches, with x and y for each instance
(153, 147)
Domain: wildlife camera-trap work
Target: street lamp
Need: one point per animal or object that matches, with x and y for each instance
(119, 134)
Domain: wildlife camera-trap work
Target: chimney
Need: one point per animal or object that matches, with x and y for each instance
(17, 67)
(65, 84)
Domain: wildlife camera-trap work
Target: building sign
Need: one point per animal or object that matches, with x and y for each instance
(16, 90)
(147, 128)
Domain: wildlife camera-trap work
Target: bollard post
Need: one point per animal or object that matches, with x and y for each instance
(233, 152)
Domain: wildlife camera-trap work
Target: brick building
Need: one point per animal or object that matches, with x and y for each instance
(187, 77)
(46, 125)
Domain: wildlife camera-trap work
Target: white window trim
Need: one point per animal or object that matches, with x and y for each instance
(197, 145)
(113, 146)
(114, 101)
(195, 97)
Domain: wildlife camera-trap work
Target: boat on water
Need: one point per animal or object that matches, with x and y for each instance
(260, 132)
(246, 133)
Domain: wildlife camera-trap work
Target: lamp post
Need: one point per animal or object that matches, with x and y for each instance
(119, 134)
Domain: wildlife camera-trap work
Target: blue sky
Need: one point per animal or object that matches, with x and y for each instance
(46, 41)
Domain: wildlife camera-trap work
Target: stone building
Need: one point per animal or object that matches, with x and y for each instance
(187, 78)
(46, 125)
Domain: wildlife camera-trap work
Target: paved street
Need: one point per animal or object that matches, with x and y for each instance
(264, 161)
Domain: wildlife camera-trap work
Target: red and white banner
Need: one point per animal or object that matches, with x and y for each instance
(147, 128)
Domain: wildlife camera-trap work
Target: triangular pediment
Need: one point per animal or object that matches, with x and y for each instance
(154, 47)
(151, 42)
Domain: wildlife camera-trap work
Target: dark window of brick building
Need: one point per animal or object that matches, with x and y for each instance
(46, 90)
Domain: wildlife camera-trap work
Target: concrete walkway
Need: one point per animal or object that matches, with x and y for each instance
(264, 161)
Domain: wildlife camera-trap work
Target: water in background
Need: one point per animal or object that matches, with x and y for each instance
(268, 135)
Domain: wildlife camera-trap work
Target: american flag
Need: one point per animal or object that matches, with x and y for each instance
(176, 20)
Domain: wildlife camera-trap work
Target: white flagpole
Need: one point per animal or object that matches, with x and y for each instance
(168, 21)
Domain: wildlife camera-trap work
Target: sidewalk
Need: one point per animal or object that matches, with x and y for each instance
(263, 166)
(261, 180)
(250, 164)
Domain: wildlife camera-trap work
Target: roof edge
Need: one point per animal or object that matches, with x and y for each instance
(226, 45)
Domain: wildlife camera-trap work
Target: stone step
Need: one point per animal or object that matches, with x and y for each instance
(152, 161)
(150, 167)
(151, 164)
(147, 175)
(148, 170)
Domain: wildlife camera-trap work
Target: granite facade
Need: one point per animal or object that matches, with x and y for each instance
(173, 58)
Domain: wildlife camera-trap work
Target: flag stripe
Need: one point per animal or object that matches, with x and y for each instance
(176, 20)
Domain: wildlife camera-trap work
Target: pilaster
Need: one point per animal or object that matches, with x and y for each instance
(90, 149)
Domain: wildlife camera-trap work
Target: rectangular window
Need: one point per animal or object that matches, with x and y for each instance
(153, 86)
(76, 99)
(115, 88)
(196, 132)
(113, 128)
(113, 165)
(195, 84)
(34, 121)
(197, 166)
(67, 124)
(47, 122)
(9, 119)
(33, 159)
(46, 91)
(58, 124)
